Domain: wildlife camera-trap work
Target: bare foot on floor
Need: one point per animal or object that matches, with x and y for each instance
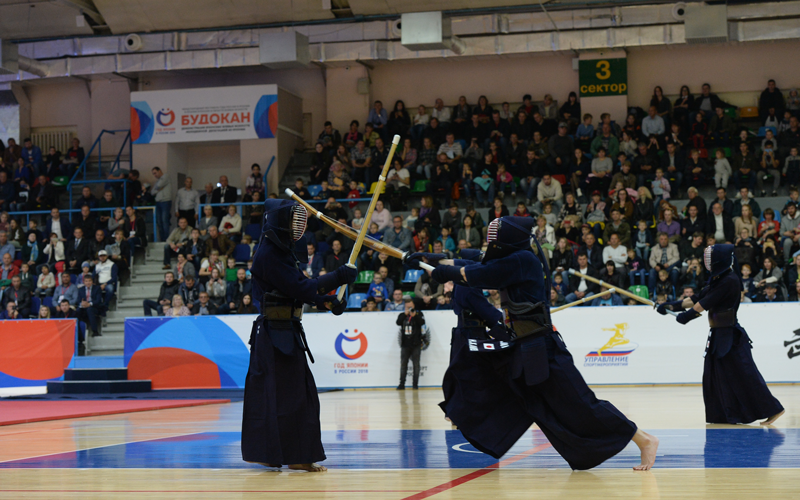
(648, 444)
(308, 467)
(771, 420)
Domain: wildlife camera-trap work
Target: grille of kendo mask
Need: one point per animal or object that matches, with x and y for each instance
(491, 232)
(707, 257)
(299, 221)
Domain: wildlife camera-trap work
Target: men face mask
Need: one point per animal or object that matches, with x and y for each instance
(299, 221)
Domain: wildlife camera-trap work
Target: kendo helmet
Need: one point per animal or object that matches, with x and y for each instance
(718, 259)
(284, 222)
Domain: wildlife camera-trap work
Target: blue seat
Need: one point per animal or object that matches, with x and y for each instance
(355, 300)
(762, 132)
(254, 230)
(323, 248)
(48, 301)
(412, 275)
(36, 302)
(314, 189)
(463, 144)
(241, 253)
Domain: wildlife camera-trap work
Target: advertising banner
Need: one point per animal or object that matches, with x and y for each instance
(205, 114)
(610, 345)
(35, 351)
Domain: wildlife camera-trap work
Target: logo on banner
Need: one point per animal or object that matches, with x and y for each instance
(793, 345)
(165, 117)
(351, 367)
(615, 352)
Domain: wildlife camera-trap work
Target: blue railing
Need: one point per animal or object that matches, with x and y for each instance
(98, 143)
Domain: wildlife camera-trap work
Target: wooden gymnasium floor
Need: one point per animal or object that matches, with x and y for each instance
(396, 445)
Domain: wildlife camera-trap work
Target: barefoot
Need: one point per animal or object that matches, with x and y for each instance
(648, 444)
(308, 467)
(773, 418)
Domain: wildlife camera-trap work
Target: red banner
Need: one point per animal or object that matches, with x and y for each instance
(37, 349)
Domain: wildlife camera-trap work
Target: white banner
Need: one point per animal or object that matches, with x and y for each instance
(610, 345)
(205, 114)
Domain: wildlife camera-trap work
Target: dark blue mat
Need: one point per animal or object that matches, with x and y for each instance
(232, 394)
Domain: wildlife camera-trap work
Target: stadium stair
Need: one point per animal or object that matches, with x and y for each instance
(97, 381)
(145, 284)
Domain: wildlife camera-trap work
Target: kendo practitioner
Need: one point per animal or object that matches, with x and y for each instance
(475, 313)
(734, 391)
(281, 408)
(496, 389)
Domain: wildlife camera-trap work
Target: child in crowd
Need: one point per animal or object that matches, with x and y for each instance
(325, 193)
(377, 290)
(231, 263)
(248, 240)
(248, 274)
(748, 284)
(791, 168)
(785, 124)
(693, 275)
(664, 285)
(180, 267)
(699, 132)
(793, 102)
(628, 146)
(636, 267)
(585, 133)
(370, 136)
(46, 282)
(358, 219)
(548, 214)
(447, 241)
(522, 210)
(660, 186)
(370, 305)
(504, 181)
(374, 232)
(354, 193)
(722, 169)
(661, 299)
(642, 240)
(411, 219)
(560, 285)
(27, 278)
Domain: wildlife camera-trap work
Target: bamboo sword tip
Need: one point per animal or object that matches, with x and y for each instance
(289, 192)
(396, 140)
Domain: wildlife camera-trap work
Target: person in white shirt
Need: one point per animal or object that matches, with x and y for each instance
(549, 190)
(398, 183)
(105, 276)
(615, 252)
(381, 217)
(187, 203)
(451, 149)
(441, 113)
(653, 124)
(231, 224)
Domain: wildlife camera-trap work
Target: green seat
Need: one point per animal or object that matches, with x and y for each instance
(60, 181)
(420, 186)
(409, 294)
(641, 291)
(365, 277)
(728, 152)
(730, 112)
(230, 274)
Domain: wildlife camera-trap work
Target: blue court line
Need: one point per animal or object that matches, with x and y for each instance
(438, 449)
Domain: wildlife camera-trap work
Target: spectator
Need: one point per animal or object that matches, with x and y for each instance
(187, 202)
(231, 225)
(619, 226)
(204, 306)
(8, 270)
(11, 312)
(745, 220)
(579, 287)
(176, 241)
(222, 195)
(207, 220)
(670, 226)
(719, 225)
(46, 283)
(452, 218)
(169, 288)
(398, 183)
(64, 311)
(246, 305)
(653, 124)
(378, 118)
(770, 167)
(97, 244)
(177, 308)
(85, 220)
(615, 276)
(330, 138)
(607, 140)
(212, 262)
(66, 291)
(117, 220)
(219, 242)
(470, 233)
(118, 251)
(381, 216)
(314, 264)
(772, 293)
(54, 251)
(77, 250)
(397, 236)
(745, 167)
(614, 252)
(136, 229)
(162, 193)
(336, 258)
(217, 288)
(484, 183)
(664, 256)
(107, 276)
(771, 97)
(427, 291)
(190, 290)
(255, 182)
(352, 136)
(5, 246)
(413, 337)
(377, 290)
(571, 110)
(398, 301)
(790, 231)
(90, 304)
(692, 247)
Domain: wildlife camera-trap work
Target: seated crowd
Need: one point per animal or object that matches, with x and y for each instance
(601, 193)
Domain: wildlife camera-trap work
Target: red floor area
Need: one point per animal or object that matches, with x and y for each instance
(21, 412)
